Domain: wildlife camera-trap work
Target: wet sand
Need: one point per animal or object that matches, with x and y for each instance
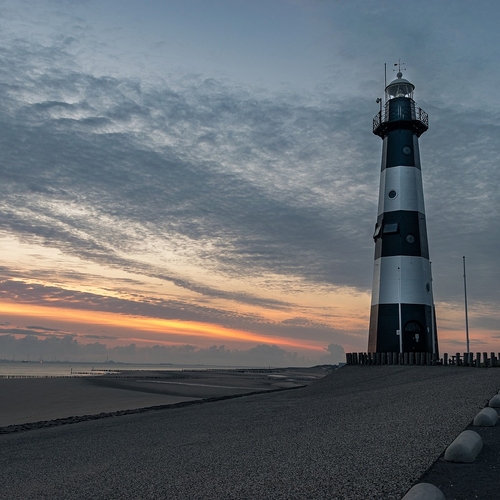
(29, 400)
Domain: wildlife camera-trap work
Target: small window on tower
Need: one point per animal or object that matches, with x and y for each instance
(376, 234)
(390, 228)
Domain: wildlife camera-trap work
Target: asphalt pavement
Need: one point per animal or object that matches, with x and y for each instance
(362, 432)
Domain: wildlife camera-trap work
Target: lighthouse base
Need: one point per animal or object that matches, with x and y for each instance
(417, 334)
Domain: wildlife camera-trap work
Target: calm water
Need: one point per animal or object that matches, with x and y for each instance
(48, 369)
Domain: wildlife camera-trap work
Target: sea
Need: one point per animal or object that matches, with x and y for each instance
(38, 369)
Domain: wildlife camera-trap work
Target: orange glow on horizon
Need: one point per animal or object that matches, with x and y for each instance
(156, 325)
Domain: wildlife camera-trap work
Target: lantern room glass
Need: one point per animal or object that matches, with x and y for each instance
(399, 88)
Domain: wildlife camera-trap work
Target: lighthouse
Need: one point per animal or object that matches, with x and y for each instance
(402, 317)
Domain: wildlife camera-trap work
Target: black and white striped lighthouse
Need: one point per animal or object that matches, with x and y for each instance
(402, 317)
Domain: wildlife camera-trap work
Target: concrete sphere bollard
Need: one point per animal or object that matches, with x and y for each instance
(465, 448)
(487, 417)
(424, 491)
(495, 401)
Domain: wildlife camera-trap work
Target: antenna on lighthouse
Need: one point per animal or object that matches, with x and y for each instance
(399, 64)
(385, 78)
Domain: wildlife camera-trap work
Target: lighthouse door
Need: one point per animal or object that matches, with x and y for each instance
(413, 338)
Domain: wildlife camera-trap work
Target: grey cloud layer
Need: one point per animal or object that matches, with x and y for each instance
(260, 181)
(67, 348)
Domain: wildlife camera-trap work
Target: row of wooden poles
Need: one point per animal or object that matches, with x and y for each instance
(423, 358)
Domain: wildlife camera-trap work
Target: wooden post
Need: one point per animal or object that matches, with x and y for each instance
(384, 358)
(485, 358)
(445, 359)
(478, 360)
(458, 359)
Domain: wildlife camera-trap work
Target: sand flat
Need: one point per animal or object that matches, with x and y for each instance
(28, 400)
(32, 400)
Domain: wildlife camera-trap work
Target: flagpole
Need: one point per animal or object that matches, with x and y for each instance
(466, 313)
(433, 313)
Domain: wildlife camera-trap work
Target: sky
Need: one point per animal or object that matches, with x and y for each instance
(196, 181)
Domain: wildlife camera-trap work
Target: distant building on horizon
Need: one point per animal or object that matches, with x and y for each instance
(402, 316)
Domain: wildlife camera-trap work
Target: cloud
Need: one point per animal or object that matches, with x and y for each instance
(235, 183)
(67, 348)
(154, 307)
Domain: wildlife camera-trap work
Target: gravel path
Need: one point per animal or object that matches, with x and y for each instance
(359, 433)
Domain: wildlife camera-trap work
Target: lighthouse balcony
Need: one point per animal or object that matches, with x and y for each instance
(406, 115)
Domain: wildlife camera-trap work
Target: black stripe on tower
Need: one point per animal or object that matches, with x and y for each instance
(384, 321)
(400, 149)
(401, 233)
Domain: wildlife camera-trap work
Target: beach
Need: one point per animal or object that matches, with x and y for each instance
(362, 432)
(31, 400)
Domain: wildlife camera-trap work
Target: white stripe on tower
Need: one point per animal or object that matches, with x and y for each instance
(406, 182)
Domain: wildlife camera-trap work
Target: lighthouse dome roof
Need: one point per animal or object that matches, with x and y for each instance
(400, 87)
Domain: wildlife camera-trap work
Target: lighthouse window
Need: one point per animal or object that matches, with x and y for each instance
(391, 227)
(392, 194)
(410, 239)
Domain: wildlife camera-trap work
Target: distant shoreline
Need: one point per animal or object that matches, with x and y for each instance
(45, 369)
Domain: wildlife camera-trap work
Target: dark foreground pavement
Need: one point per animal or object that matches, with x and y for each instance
(362, 432)
(480, 479)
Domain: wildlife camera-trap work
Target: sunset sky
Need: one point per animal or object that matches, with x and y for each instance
(202, 175)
